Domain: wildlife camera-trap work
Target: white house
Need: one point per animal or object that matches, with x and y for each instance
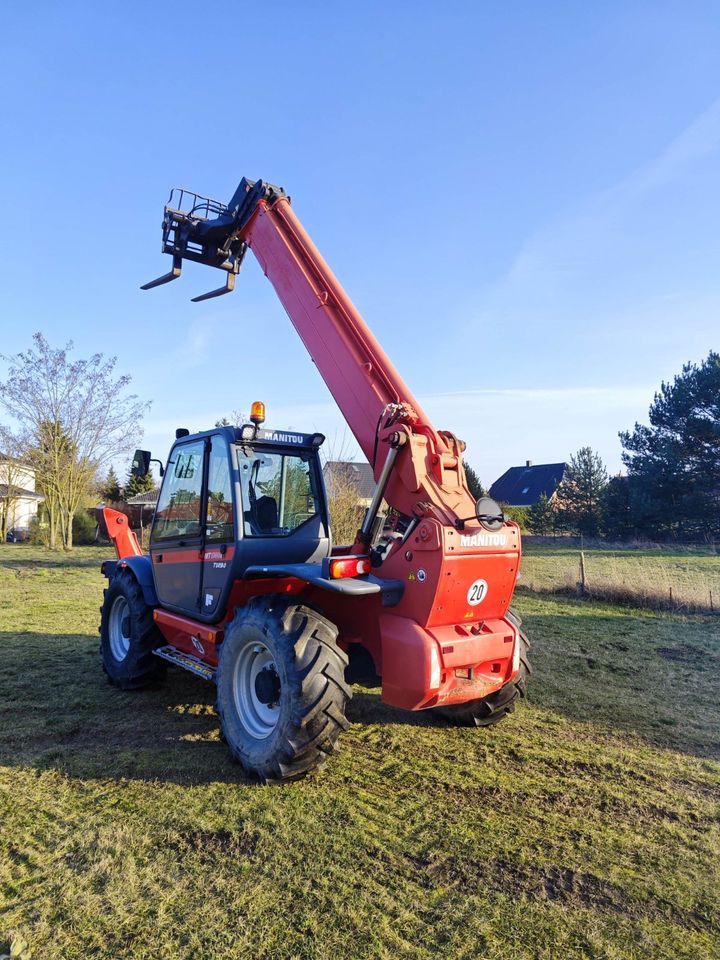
(18, 500)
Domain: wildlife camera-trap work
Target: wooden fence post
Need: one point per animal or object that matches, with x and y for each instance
(583, 581)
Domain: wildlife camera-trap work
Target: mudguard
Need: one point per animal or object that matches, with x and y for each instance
(141, 569)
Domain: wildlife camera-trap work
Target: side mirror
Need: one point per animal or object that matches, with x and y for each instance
(489, 513)
(141, 463)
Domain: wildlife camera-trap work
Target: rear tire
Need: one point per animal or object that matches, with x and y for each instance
(281, 691)
(493, 709)
(128, 635)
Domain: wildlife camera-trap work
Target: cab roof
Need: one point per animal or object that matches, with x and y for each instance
(262, 435)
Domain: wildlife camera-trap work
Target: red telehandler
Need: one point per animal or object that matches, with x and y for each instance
(243, 585)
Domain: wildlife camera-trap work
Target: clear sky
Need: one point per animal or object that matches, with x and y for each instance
(522, 199)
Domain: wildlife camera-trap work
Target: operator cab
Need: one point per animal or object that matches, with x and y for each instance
(234, 498)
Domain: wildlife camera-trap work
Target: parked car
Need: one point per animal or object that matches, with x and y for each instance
(18, 535)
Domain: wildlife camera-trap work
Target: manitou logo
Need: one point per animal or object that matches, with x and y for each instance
(483, 540)
(284, 437)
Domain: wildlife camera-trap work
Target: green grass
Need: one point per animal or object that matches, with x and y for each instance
(646, 576)
(587, 825)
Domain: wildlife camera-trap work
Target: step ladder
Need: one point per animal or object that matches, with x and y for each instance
(187, 661)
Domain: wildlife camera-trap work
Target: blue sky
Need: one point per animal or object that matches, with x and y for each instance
(521, 198)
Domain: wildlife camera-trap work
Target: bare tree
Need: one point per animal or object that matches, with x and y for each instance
(72, 416)
(236, 419)
(344, 503)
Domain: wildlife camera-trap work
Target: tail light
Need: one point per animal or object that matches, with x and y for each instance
(349, 567)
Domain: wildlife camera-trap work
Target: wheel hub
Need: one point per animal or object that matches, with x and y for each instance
(267, 686)
(257, 690)
(119, 629)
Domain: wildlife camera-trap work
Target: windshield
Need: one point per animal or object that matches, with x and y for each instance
(279, 491)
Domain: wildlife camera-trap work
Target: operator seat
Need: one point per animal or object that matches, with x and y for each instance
(266, 514)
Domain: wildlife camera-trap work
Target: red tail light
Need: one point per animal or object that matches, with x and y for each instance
(349, 567)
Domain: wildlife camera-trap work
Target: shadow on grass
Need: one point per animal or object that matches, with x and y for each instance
(653, 675)
(57, 711)
(656, 677)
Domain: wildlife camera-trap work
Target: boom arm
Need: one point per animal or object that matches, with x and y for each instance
(358, 373)
(375, 401)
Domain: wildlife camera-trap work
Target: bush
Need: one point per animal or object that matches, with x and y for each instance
(39, 529)
(519, 515)
(83, 528)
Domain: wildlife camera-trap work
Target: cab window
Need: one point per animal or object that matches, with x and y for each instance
(220, 514)
(279, 491)
(178, 509)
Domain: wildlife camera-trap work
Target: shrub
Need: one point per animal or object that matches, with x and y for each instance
(83, 528)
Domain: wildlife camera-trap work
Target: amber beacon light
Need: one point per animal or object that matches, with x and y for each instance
(257, 412)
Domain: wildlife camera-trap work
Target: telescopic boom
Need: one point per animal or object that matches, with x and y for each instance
(427, 476)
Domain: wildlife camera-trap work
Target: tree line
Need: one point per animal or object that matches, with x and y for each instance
(73, 416)
(672, 487)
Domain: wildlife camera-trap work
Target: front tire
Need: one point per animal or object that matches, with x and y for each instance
(494, 708)
(128, 635)
(281, 692)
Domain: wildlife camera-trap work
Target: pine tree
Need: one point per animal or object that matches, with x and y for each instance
(541, 516)
(137, 485)
(473, 481)
(616, 508)
(579, 496)
(110, 488)
(674, 463)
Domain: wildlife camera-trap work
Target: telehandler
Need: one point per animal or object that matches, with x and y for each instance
(243, 585)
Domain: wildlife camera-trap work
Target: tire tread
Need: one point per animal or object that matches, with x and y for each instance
(318, 680)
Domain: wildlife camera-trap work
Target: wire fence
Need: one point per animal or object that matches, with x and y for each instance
(687, 582)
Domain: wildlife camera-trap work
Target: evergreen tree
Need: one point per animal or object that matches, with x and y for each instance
(674, 463)
(137, 485)
(541, 519)
(579, 496)
(617, 515)
(473, 481)
(110, 488)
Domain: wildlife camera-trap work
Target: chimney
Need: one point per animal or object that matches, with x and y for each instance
(528, 463)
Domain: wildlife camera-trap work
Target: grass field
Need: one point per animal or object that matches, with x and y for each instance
(687, 578)
(587, 825)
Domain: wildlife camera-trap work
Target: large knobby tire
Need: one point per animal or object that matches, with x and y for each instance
(128, 635)
(281, 691)
(489, 710)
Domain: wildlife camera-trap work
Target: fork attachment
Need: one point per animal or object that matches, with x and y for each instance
(207, 231)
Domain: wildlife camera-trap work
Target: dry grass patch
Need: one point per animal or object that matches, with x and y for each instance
(686, 581)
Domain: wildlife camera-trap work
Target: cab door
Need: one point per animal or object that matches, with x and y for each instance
(176, 540)
(220, 536)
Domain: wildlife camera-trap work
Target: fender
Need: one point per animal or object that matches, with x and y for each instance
(141, 569)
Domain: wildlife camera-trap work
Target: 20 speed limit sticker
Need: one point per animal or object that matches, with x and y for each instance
(477, 592)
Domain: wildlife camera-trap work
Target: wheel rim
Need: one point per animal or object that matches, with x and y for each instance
(256, 690)
(119, 622)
